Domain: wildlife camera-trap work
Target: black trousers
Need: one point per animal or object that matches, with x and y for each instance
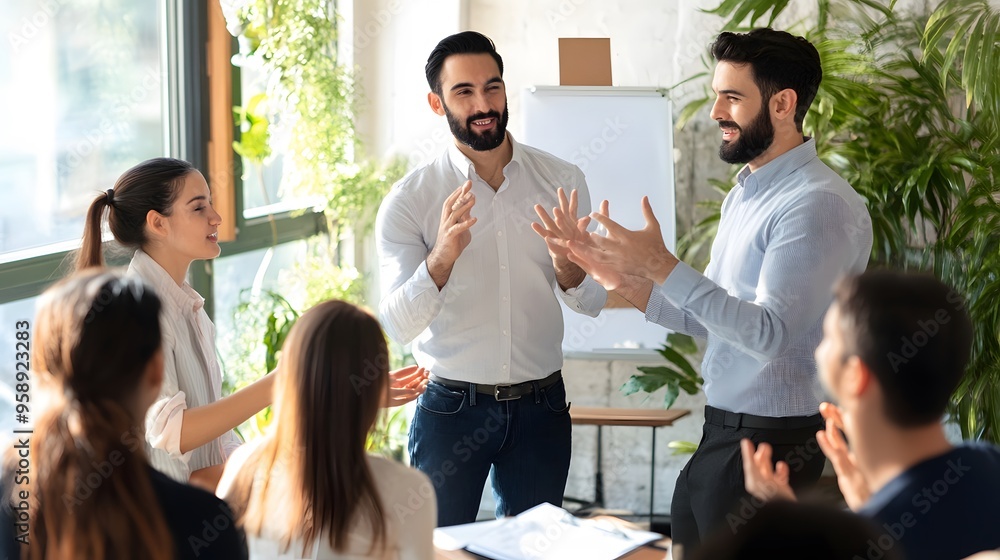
(710, 494)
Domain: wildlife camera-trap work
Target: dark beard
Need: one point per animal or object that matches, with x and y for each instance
(478, 142)
(753, 141)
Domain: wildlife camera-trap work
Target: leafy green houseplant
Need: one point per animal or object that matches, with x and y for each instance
(908, 113)
(311, 96)
(675, 375)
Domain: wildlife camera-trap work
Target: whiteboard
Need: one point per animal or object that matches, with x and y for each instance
(622, 139)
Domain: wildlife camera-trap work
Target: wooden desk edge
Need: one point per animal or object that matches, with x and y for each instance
(598, 416)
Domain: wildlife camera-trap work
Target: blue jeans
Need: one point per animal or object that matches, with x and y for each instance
(458, 437)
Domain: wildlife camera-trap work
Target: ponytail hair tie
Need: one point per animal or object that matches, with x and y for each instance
(110, 195)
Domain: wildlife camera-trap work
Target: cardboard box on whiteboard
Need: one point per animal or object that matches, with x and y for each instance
(584, 62)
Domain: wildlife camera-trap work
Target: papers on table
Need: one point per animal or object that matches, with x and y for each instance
(543, 532)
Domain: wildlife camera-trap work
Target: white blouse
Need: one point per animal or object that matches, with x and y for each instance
(191, 374)
(407, 498)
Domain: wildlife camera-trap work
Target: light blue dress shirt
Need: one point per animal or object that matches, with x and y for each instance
(788, 231)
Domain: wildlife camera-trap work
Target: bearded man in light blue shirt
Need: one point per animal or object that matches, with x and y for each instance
(788, 230)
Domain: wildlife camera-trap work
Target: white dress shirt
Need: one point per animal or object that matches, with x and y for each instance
(408, 503)
(497, 320)
(788, 231)
(191, 374)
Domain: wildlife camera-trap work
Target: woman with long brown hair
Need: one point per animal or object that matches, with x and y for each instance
(162, 209)
(97, 365)
(308, 488)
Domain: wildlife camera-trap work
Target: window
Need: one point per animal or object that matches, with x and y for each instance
(81, 85)
(91, 88)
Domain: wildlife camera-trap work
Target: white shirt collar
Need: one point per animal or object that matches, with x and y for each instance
(184, 296)
(465, 166)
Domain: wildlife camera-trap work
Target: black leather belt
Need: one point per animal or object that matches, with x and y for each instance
(719, 417)
(502, 392)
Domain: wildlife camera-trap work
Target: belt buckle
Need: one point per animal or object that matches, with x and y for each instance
(496, 393)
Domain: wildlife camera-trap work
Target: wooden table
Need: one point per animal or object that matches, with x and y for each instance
(600, 417)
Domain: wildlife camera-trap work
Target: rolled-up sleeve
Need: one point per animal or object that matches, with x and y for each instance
(163, 424)
(588, 298)
(164, 417)
(411, 299)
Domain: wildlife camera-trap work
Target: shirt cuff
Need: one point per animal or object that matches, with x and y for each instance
(589, 297)
(163, 425)
(421, 283)
(654, 305)
(680, 284)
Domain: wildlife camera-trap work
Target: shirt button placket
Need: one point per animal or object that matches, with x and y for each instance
(503, 257)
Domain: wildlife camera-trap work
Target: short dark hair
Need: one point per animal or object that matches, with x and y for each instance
(778, 61)
(915, 335)
(466, 42)
(783, 530)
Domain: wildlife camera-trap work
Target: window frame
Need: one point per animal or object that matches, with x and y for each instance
(199, 129)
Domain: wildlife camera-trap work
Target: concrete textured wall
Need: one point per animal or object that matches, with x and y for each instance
(626, 449)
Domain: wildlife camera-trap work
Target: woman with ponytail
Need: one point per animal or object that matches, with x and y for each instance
(91, 494)
(162, 209)
(307, 488)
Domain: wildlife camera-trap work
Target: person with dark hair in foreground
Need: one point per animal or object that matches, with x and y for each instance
(791, 531)
(89, 491)
(895, 347)
(478, 293)
(788, 229)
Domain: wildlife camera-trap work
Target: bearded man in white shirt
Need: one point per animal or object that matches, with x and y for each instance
(467, 281)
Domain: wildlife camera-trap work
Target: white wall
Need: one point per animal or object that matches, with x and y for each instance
(653, 43)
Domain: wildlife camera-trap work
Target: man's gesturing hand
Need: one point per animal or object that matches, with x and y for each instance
(453, 233)
(639, 253)
(557, 231)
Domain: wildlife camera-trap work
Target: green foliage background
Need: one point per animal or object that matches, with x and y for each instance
(908, 113)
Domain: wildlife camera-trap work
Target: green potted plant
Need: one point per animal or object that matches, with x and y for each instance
(311, 95)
